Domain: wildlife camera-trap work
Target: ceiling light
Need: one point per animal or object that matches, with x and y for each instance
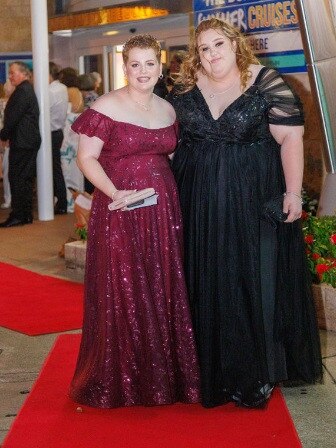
(111, 33)
(63, 33)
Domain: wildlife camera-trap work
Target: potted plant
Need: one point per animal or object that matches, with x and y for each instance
(81, 231)
(320, 239)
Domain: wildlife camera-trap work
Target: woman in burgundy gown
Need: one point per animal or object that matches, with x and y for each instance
(137, 345)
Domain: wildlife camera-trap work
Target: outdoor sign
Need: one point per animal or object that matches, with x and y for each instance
(272, 28)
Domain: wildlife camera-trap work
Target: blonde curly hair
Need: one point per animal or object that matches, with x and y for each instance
(192, 63)
(143, 41)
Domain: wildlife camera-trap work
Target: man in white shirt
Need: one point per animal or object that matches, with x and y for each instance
(58, 95)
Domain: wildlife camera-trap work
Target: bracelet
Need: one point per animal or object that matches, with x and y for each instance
(112, 196)
(295, 194)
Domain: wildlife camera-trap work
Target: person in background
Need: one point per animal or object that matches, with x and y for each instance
(21, 132)
(58, 97)
(239, 167)
(69, 77)
(98, 80)
(2, 108)
(160, 88)
(7, 91)
(174, 68)
(137, 345)
(72, 175)
(87, 87)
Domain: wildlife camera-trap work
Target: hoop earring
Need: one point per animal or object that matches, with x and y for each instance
(161, 76)
(200, 67)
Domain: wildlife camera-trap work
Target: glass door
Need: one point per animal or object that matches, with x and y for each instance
(92, 63)
(113, 63)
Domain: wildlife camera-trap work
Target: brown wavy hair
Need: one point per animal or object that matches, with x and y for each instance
(192, 63)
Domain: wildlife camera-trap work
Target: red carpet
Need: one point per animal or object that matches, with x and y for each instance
(49, 419)
(38, 304)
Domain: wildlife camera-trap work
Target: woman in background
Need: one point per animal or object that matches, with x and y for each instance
(7, 91)
(87, 88)
(69, 77)
(98, 80)
(74, 179)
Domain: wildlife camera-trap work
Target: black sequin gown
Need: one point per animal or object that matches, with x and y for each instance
(250, 295)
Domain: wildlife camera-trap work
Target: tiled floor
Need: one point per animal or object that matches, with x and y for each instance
(36, 247)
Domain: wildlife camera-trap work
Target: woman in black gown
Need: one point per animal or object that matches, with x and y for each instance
(241, 146)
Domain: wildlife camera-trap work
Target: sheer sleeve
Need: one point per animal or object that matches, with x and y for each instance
(93, 124)
(285, 107)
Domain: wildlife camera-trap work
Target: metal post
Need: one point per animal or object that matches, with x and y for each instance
(106, 71)
(319, 39)
(39, 24)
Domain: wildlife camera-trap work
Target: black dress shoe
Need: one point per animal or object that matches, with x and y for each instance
(256, 399)
(12, 222)
(60, 211)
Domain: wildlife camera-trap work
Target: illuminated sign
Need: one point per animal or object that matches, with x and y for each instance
(248, 15)
(103, 17)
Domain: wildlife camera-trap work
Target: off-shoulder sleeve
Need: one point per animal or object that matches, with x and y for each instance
(94, 124)
(285, 107)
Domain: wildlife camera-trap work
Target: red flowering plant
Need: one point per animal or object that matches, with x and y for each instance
(320, 238)
(81, 231)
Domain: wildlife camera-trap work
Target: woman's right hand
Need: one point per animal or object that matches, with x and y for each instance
(120, 198)
(3, 145)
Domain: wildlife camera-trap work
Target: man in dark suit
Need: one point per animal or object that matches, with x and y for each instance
(21, 130)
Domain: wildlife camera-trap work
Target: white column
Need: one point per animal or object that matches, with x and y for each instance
(106, 70)
(39, 24)
(81, 68)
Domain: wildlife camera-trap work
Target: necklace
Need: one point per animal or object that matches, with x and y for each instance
(213, 95)
(146, 107)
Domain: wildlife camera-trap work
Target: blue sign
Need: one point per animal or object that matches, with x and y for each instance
(201, 5)
(250, 16)
(285, 61)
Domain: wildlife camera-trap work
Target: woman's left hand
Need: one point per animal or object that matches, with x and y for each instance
(292, 205)
(290, 139)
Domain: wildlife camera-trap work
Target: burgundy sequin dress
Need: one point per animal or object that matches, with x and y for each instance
(137, 345)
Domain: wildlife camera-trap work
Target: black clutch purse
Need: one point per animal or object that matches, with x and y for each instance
(272, 211)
